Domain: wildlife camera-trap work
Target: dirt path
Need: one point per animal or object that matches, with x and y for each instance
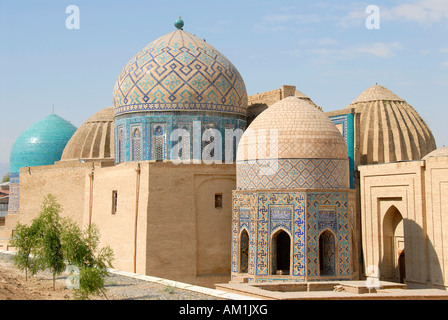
(13, 286)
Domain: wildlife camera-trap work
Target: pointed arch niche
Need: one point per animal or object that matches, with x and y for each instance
(244, 251)
(392, 267)
(281, 253)
(327, 254)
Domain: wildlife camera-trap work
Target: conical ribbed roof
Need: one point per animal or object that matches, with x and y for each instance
(377, 93)
(391, 130)
(94, 140)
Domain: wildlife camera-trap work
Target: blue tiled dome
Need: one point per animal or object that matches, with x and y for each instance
(41, 144)
(180, 72)
(178, 81)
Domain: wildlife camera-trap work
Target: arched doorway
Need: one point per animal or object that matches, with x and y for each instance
(392, 268)
(327, 254)
(244, 252)
(281, 253)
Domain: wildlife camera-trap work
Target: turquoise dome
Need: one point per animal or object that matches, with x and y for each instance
(41, 144)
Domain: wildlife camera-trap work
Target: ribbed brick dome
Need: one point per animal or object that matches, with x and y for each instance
(94, 140)
(391, 130)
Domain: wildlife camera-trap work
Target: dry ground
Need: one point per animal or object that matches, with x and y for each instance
(40, 287)
(13, 286)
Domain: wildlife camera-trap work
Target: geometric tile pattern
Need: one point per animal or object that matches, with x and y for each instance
(268, 213)
(179, 72)
(327, 211)
(345, 124)
(193, 122)
(293, 174)
(304, 216)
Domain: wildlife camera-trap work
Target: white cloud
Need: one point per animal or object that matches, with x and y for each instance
(330, 54)
(288, 17)
(445, 63)
(444, 50)
(423, 11)
(419, 11)
(380, 49)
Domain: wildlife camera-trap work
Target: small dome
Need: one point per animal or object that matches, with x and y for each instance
(41, 144)
(305, 150)
(438, 153)
(391, 130)
(179, 72)
(303, 132)
(377, 93)
(94, 140)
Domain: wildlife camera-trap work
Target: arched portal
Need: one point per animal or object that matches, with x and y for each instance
(281, 253)
(327, 254)
(244, 252)
(393, 246)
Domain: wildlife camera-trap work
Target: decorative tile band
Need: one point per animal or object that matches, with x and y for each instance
(152, 140)
(346, 125)
(293, 174)
(179, 107)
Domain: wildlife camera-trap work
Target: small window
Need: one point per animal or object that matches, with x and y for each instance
(218, 200)
(114, 201)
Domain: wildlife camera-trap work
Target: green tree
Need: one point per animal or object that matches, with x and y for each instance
(54, 242)
(5, 178)
(82, 249)
(48, 251)
(25, 241)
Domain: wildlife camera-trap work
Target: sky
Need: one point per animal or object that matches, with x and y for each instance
(331, 50)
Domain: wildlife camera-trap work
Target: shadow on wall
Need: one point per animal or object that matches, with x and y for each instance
(402, 260)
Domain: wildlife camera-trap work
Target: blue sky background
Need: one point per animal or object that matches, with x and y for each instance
(321, 47)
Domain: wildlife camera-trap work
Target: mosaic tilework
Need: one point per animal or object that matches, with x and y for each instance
(179, 71)
(346, 125)
(167, 122)
(269, 212)
(294, 174)
(332, 203)
(136, 143)
(305, 216)
(240, 201)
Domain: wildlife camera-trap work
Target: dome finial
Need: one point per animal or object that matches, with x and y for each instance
(179, 23)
